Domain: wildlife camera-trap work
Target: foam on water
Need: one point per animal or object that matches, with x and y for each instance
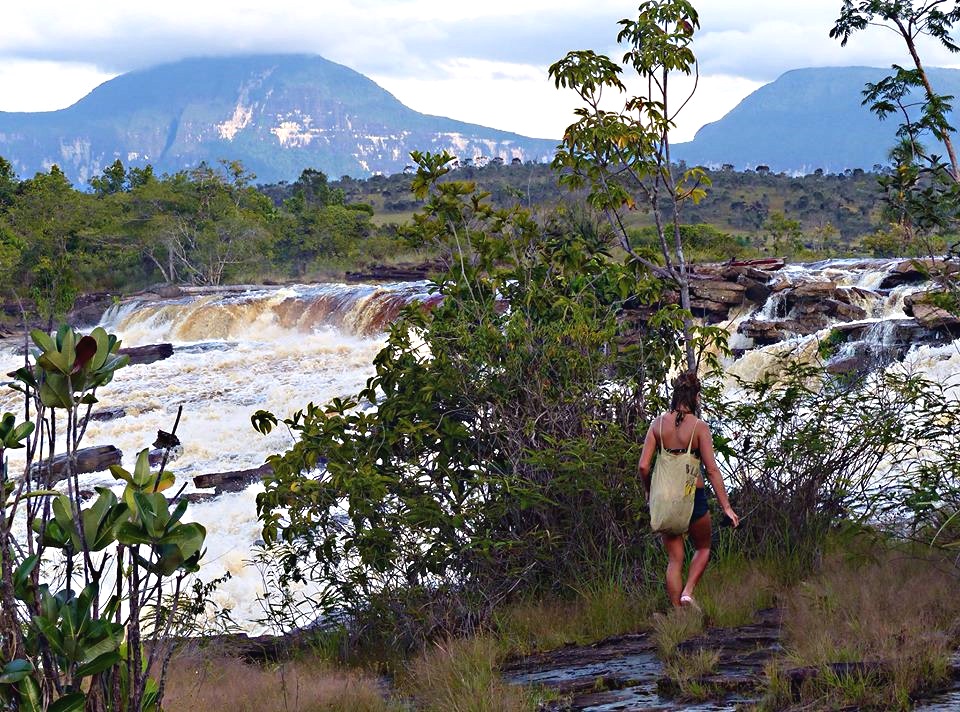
(278, 349)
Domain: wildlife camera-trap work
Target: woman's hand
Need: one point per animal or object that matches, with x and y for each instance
(734, 518)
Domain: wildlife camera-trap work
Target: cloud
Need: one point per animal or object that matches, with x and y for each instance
(29, 85)
(483, 62)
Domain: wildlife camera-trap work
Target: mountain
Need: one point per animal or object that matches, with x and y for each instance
(806, 119)
(278, 114)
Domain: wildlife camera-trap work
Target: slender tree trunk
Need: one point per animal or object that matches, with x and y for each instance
(928, 88)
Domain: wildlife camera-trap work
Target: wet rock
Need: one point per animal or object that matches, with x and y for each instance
(917, 271)
(844, 310)
(718, 291)
(102, 415)
(769, 332)
(856, 365)
(234, 481)
(88, 309)
(933, 317)
(814, 290)
(142, 355)
(755, 290)
(90, 459)
(157, 454)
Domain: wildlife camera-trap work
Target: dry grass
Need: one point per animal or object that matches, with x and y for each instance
(230, 685)
(462, 676)
(597, 612)
(686, 671)
(899, 610)
(731, 593)
(672, 628)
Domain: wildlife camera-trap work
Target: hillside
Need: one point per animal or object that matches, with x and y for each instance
(278, 114)
(806, 119)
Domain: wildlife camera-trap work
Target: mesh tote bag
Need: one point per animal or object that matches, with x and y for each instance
(673, 486)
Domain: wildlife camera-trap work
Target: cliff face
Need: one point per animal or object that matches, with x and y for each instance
(278, 114)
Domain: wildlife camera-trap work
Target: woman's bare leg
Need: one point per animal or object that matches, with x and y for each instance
(675, 554)
(700, 534)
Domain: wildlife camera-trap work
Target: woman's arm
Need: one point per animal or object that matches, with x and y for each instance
(705, 443)
(646, 457)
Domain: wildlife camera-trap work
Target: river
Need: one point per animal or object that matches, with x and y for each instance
(279, 348)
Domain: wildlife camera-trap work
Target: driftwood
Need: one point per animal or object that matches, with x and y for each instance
(234, 481)
(89, 459)
(141, 355)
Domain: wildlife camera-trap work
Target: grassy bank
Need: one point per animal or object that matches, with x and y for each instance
(888, 610)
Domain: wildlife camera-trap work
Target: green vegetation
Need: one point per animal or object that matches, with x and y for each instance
(204, 226)
(91, 595)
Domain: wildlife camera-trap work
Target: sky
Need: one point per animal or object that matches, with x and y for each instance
(481, 61)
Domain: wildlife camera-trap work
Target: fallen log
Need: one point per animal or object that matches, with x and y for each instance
(234, 481)
(142, 355)
(89, 459)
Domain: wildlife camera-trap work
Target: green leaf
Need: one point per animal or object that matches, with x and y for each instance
(43, 340)
(74, 702)
(30, 698)
(15, 671)
(99, 664)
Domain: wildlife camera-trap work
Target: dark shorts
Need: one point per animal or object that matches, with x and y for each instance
(700, 506)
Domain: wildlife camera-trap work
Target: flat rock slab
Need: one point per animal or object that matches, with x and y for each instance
(624, 673)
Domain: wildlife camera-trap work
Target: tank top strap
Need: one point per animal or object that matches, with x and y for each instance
(662, 448)
(693, 435)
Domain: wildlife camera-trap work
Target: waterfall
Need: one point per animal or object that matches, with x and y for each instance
(278, 348)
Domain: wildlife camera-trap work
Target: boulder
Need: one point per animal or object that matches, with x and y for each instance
(767, 264)
(814, 290)
(755, 290)
(106, 414)
(234, 481)
(89, 459)
(844, 311)
(142, 355)
(88, 309)
(916, 271)
(933, 317)
(715, 290)
(769, 332)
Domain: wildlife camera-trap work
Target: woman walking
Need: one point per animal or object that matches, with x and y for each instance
(682, 443)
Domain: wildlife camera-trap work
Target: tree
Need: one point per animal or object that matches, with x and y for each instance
(112, 180)
(494, 451)
(922, 192)
(910, 19)
(201, 225)
(623, 157)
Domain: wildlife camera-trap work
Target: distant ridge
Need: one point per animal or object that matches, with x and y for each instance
(806, 119)
(278, 114)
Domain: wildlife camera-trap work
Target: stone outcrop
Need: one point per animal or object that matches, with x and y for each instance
(233, 481)
(90, 459)
(142, 355)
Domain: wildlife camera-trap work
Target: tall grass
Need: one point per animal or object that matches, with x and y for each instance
(596, 611)
(898, 609)
(463, 676)
(230, 685)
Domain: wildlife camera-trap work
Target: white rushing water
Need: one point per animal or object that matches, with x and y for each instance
(280, 348)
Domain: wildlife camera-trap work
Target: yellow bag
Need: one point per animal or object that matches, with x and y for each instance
(673, 486)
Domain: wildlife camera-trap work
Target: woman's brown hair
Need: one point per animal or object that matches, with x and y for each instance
(686, 388)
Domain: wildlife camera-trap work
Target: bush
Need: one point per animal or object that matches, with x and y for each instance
(494, 452)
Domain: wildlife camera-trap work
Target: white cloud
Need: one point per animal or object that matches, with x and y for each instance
(481, 62)
(30, 85)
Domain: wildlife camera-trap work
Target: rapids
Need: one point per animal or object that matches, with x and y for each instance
(240, 350)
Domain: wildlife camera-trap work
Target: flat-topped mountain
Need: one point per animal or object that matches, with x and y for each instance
(277, 113)
(806, 119)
